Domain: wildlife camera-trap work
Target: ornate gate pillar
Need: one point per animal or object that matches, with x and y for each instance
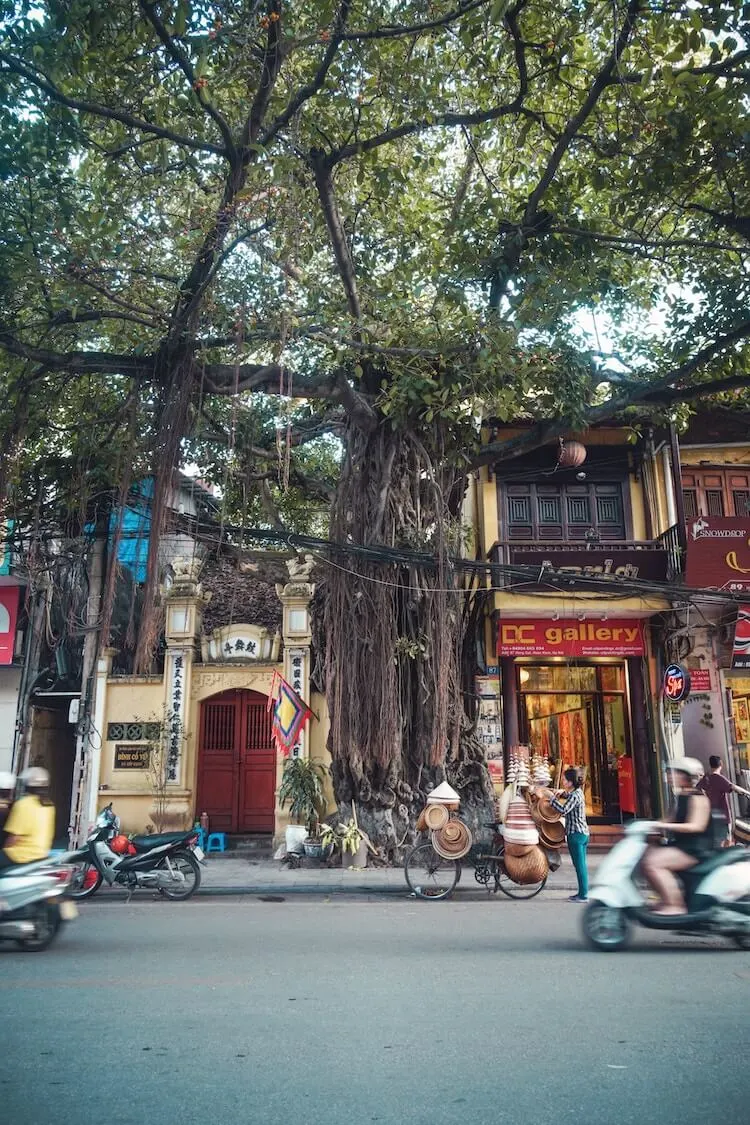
(295, 597)
(184, 601)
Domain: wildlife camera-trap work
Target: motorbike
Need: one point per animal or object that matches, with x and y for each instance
(168, 862)
(34, 904)
(717, 895)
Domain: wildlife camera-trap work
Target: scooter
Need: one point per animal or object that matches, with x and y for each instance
(33, 905)
(168, 862)
(717, 894)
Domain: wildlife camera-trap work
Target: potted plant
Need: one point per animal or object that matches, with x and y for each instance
(353, 844)
(302, 790)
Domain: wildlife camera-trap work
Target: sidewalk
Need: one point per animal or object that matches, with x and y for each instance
(223, 875)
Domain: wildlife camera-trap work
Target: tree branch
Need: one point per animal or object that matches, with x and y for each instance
(311, 88)
(599, 85)
(78, 362)
(43, 83)
(176, 52)
(548, 431)
(342, 253)
(649, 243)
(394, 31)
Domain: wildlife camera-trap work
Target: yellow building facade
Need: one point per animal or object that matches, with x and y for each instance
(198, 738)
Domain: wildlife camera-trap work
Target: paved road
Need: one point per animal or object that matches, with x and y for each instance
(314, 1012)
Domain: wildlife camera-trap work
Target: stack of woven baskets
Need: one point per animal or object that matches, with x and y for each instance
(451, 839)
(533, 833)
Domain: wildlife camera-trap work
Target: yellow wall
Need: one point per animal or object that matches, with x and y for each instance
(715, 455)
(570, 604)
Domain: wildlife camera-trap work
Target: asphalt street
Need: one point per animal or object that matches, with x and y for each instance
(337, 1012)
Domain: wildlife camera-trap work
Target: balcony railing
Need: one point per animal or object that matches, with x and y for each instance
(657, 560)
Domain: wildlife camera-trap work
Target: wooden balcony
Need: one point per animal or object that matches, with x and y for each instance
(656, 560)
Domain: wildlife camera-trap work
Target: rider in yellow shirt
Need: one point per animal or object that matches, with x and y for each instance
(30, 827)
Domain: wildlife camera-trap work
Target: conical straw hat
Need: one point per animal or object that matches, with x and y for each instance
(443, 792)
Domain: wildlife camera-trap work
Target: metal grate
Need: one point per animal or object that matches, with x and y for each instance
(714, 502)
(690, 503)
(741, 501)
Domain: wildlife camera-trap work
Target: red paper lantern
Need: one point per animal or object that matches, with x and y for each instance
(571, 455)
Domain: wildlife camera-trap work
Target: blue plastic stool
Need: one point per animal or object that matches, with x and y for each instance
(216, 842)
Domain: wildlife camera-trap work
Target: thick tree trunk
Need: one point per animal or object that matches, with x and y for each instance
(393, 638)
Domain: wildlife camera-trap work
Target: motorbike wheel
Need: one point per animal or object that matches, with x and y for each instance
(84, 883)
(605, 928)
(46, 918)
(188, 865)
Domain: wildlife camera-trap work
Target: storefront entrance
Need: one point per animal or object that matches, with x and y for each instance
(237, 763)
(577, 715)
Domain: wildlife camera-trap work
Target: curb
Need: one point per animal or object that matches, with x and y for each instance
(338, 891)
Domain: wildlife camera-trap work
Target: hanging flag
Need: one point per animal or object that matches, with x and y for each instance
(741, 652)
(290, 714)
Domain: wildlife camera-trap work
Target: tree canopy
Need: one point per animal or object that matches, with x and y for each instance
(309, 247)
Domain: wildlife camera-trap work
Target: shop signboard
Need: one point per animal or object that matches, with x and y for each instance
(563, 561)
(8, 616)
(676, 683)
(741, 650)
(570, 637)
(718, 553)
(700, 680)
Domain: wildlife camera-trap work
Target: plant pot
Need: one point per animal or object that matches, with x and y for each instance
(355, 859)
(314, 849)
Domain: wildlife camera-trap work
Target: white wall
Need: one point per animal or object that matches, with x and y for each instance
(10, 679)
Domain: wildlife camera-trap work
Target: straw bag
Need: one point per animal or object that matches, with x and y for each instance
(453, 841)
(422, 821)
(435, 817)
(518, 851)
(530, 868)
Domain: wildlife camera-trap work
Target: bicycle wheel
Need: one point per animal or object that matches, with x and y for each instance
(428, 874)
(504, 883)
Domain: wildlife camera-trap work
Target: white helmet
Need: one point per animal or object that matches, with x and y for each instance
(35, 777)
(7, 781)
(691, 766)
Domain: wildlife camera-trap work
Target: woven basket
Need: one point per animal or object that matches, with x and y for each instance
(435, 817)
(422, 821)
(552, 833)
(545, 810)
(518, 851)
(530, 868)
(452, 842)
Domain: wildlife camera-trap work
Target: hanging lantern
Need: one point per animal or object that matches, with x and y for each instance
(571, 455)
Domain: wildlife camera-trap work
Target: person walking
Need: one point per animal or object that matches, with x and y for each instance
(573, 809)
(717, 788)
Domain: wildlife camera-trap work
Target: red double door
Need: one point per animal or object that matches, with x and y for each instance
(237, 763)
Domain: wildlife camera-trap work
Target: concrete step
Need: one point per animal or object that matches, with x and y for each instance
(604, 836)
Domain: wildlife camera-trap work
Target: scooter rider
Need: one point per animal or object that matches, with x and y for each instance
(690, 836)
(30, 827)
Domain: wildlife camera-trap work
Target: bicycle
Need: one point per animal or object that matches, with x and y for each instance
(489, 866)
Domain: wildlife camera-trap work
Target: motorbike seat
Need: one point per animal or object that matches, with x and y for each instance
(720, 858)
(156, 840)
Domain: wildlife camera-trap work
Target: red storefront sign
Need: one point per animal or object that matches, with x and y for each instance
(718, 553)
(8, 616)
(571, 638)
(700, 680)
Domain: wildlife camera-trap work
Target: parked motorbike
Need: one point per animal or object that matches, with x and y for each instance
(717, 895)
(33, 905)
(169, 862)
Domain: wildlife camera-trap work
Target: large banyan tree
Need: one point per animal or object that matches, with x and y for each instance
(268, 238)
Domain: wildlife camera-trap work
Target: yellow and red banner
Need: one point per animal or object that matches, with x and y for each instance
(290, 713)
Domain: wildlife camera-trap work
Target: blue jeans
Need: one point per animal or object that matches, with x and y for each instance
(577, 844)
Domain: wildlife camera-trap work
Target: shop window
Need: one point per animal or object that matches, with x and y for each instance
(741, 498)
(544, 512)
(714, 502)
(690, 503)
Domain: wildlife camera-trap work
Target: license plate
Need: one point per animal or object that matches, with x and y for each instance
(68, 911)
(198, 853)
